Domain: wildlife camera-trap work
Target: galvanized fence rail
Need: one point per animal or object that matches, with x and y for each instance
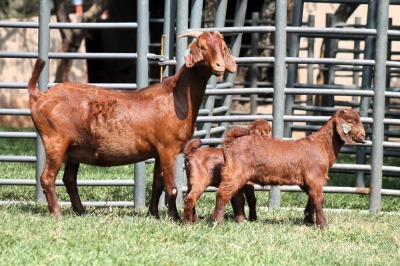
(214, 119)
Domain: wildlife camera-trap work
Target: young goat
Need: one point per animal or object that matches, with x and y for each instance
(203, 169)
(304, 162)
(81, 123)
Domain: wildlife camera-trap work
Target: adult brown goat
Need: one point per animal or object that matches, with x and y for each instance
(203, 169)
(81, 123)
(304, 162)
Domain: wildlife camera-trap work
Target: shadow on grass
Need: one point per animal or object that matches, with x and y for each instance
(27, 208)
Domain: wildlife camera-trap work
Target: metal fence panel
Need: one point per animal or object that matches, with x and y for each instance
(377, 64)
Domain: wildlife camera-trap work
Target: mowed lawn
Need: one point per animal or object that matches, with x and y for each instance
(125, 236)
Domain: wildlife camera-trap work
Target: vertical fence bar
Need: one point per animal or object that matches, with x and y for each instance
(292, 68)
(169, 33)
(310, 67)
(330, 52)
(181, 46)
(196, 14)
(44, 48)
(379, 105)
(360, 151)
(209, 100)
(181, 27)
(142, 81)
(254, 75)
(169, 30)
(236, 42)
(366, 84)
(279, 86)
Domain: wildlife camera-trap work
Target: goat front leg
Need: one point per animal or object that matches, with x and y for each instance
(167, 160)
(309, 211)
(69, 179)
(156, 191)
(317, 198)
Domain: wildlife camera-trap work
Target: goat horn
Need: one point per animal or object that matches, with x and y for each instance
(194, 34)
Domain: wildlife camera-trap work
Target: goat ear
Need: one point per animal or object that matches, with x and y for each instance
(193, 55)
(230, 63)
(344, 131)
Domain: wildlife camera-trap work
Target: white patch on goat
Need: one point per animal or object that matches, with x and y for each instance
(346, 128)
(187, 51)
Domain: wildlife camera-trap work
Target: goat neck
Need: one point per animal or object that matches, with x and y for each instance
(189, 91)
(328, 137)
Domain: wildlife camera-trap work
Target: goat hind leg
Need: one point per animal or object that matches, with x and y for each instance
(69, 179)
(195, 190)
(309, 212)
(54, 159)
(238, 206)
(251, 201)
(227, 188)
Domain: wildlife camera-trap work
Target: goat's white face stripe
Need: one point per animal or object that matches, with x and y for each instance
(346, 128)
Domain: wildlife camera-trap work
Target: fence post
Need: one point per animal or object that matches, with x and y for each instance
(209, 100)
(181, 46)
(44, 48)
(366, 82)
(379, 105)
(254, 75)
(236, 42)
(292, 68)
(169, 30)
(141, 81)
(279, 86)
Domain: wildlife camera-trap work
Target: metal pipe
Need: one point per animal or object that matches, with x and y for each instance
(254, 75)
(236, 42)
(292, 68)
(379, 105)
(310, 67)
(169, 33)
(279, 86)
(181, 45)
(44, 49)
(209, 100)
(142, 81)
(366, 84)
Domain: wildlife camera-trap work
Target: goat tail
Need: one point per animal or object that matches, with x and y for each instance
(235, 132)
(191, 146)
(34, 92)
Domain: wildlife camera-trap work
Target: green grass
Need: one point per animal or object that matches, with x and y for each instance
(126, 236)
(123, 236)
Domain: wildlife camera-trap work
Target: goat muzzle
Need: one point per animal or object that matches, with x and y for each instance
(359, 137)
(218, 68)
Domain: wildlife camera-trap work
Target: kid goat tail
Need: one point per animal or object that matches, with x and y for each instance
(34, 92)
(191, 146)
(235, 132)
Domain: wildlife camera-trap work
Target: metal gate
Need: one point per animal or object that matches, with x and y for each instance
(293, 105)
